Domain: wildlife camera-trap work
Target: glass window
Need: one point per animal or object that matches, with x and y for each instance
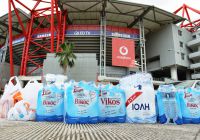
(181, 44)
(194, 36)
(1, 55)
(182, 56)
(179, 32)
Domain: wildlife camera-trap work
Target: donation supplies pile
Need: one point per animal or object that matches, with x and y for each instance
(133, 100)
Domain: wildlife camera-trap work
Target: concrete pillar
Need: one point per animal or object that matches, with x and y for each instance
(174, 74)
(188, 75)
(1, 56)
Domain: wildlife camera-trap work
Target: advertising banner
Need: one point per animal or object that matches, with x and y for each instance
(123, 52)
(97, 33)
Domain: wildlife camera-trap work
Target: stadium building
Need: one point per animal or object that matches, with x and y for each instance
(112, 39)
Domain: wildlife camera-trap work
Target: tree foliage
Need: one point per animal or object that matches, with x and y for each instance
(66, 56)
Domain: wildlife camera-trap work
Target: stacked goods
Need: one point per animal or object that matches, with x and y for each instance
(81, 103)
(50, 100)
(169, 110)
(132, 101)
(190, 105)
(140, 98)
(112, 104)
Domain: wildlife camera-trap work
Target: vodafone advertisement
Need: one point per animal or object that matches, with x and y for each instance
(123, 52)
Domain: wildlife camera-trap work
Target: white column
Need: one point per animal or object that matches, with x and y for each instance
(5, 47)
(174, 75)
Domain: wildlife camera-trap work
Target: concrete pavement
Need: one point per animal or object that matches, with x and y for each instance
(15, 130)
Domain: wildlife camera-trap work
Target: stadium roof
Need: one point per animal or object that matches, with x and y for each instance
(16, 29)
(119, 13)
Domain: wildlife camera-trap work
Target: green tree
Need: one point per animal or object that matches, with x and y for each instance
(66, 56)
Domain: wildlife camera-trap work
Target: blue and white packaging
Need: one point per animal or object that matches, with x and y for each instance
(50, 105)
(81, 103)
(168, 103)
(112, 104)
(190, 105)
(140, 98)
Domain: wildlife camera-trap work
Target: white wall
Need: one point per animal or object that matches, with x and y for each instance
(165, 43)
(160, 43)
(186, 36)
(85, 68)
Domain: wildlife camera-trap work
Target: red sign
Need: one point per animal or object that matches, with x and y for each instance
(132, 98)
(123, 52)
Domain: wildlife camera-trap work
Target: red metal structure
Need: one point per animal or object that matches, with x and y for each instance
(50, 15)
(191, 25)
(10, 38)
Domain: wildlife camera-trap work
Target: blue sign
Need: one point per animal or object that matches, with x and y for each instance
(82, 33)
(97, 33)
(122, 35)
(18, 40)
(42, 35)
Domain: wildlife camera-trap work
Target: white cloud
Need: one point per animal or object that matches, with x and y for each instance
(172, 5)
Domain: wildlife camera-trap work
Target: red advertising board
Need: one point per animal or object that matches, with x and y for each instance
(123, 52)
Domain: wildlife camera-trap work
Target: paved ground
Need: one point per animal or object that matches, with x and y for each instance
(15, 130)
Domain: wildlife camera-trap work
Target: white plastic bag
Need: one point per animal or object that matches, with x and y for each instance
(11, 88)
(10, 96)
(5, 106)
(30, 92)
(21, 112)
(11, 114)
